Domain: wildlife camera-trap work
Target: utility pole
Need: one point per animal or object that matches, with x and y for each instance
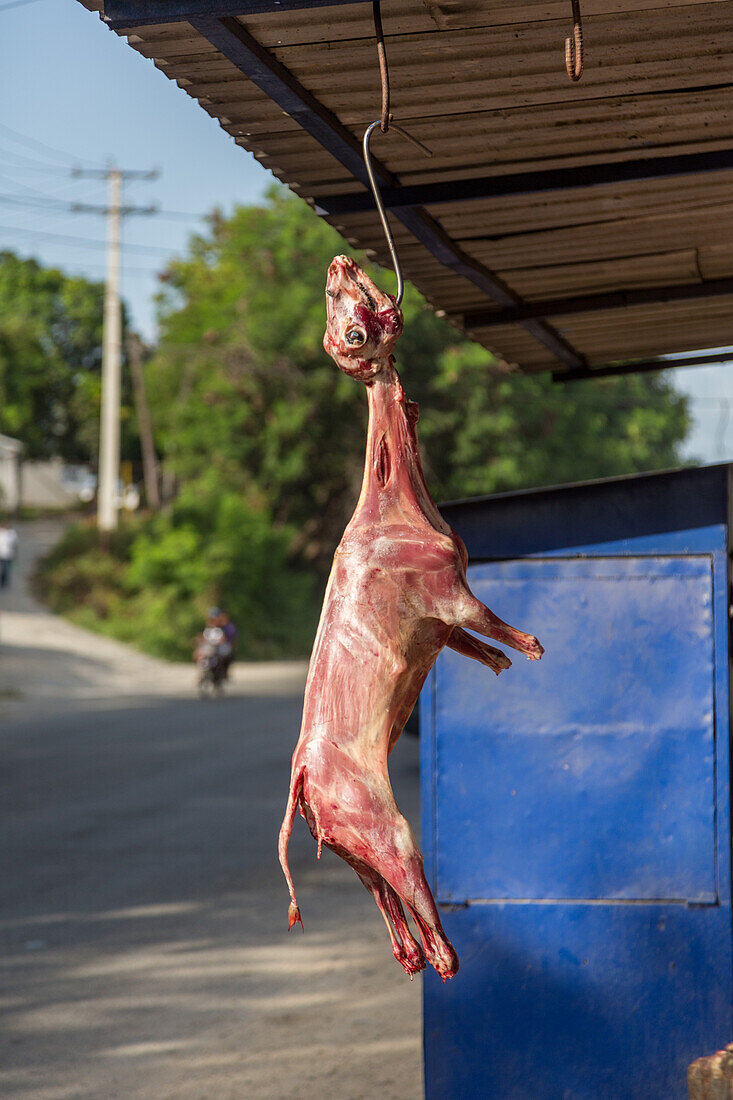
(109, 422)
(147, 445)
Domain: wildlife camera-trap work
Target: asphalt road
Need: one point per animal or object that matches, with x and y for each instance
(143, 914)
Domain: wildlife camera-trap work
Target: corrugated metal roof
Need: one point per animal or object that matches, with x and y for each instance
(482, 83)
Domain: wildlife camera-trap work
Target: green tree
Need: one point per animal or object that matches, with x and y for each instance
(153, 585)
(50, 361)
(240, 384)
(487, 431)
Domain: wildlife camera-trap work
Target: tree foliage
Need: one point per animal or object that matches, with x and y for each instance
(50, 361)
(487, 431)
(241, 385)
(160, 574)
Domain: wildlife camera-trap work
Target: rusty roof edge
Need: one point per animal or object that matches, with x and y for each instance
(589, 303)
(644, 366)
(119, 14)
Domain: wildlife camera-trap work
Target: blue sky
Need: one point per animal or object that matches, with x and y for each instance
(73, 93)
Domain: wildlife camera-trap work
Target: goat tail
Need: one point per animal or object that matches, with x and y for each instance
(286, 829)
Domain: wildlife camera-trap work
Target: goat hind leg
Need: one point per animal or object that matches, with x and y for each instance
(373, 836)
(468, 646)
(396, 857)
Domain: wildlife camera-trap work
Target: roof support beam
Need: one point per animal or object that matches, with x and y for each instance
(279, 84)
(532, 183)
(618, 299)
(644, 366)
(130, 13)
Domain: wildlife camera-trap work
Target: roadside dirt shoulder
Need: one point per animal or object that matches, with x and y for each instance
(47, 663)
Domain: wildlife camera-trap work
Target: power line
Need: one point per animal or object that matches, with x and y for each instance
(33, 190)
(41, 206)
(84, 242)
(69, 184)
(49, 198)
(180, 215)
(31, 164)
(96, 173)
(16, 4)
(25, 139)
(79, 268)
(45, 169)
(49, 202)
(43, 202)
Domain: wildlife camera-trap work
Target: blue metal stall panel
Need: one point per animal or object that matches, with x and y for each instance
(591, 774)
(576, 812)
(577, 1002)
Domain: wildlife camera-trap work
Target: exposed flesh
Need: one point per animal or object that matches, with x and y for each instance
(397, 594)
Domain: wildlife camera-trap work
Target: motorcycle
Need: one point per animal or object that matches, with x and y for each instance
(211, 662)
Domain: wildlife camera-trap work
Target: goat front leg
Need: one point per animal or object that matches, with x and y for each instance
(468, 646)
(474, 615)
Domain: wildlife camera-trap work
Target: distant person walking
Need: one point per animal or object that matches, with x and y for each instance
(8, 550)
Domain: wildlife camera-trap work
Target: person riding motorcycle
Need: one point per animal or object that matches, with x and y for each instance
(214, 650)
(230, 633)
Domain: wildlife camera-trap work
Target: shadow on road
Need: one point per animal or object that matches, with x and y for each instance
(144, 917)
(40, 669)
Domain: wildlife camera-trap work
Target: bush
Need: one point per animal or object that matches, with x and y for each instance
(161, 573)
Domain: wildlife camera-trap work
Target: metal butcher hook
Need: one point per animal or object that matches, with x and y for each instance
(574, 45)
(378, 198)
(386, 125)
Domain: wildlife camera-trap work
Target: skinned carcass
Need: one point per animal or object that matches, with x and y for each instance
(397, 594)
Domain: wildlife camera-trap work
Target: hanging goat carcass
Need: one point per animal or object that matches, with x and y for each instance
(396, 596)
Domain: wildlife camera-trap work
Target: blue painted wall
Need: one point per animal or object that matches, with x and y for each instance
(576, 822)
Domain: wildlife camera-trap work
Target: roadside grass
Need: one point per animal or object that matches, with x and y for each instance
(28, 512)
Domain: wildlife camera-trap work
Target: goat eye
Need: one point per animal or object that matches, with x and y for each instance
(355, 337)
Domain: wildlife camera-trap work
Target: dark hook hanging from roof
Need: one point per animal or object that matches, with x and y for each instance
(574, 45)
(386, 116)
(384, 122)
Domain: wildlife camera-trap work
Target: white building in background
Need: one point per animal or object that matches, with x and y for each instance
(49, 484)
(11, 459)
(46, 485)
